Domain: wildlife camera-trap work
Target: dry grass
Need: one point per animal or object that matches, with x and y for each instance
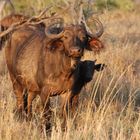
(116, 90)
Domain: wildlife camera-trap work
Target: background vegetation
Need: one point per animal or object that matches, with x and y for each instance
(34, 6)
(116, 90)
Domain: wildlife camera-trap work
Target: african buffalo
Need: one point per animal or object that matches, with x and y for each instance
(46, 61)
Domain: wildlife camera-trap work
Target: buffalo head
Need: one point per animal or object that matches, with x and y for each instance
(73, 39)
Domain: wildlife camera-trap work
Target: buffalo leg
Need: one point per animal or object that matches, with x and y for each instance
(18, 91)
(19, 96)
(30, 98)
(64, 110)
(74, 100)
(65, 104)
(69, 104)
(46, 110)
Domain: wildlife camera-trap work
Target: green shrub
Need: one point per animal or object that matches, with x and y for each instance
(114, 4)
(108, 4)
(125, 4)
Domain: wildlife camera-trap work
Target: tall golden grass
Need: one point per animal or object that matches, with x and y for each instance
(115, 91)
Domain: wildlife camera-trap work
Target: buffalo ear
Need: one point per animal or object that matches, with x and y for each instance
(95, 45)
(56, 45)
(99, 67)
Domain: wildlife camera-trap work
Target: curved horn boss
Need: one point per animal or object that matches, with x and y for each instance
(94, 43)
(99, 31)
(55, 28)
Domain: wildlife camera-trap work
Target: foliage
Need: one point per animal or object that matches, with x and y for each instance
(125, 4)
(34, 6)
(114, 4)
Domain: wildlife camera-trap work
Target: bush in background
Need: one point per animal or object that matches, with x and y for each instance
(114, 4)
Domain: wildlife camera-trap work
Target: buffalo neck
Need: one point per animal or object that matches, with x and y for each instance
(57, 63)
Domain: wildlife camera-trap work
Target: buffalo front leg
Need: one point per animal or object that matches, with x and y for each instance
(46, 110)
(74, 104)
(30, 98)
(69, 104)
(65, 105)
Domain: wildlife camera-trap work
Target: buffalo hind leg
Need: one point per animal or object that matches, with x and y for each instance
(18, 91)
(17, 88)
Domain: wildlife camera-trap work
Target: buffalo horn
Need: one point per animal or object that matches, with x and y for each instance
(100, 30)
(51, 29)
